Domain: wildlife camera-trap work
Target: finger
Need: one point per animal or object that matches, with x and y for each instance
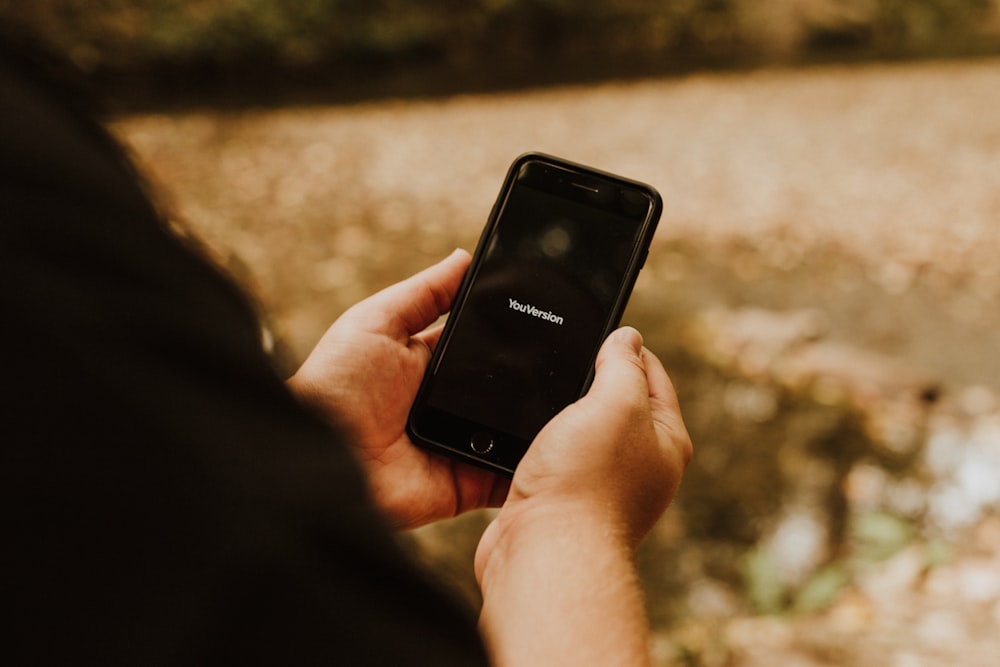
(430, 337)
(425, 342)
(479, 488)
(410, 306)
(661, 389)
(627, 373)
(665, 407)
(619, 372)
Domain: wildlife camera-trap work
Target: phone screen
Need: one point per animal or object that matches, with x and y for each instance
(549, 282)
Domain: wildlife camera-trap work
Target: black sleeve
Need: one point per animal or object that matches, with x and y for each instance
(164, 499)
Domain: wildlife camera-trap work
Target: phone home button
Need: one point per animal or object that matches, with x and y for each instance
(481, 442)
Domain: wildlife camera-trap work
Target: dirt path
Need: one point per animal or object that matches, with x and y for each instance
(866, 197)
(894, 171)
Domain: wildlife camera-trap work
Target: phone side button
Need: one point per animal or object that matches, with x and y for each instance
(481, 442)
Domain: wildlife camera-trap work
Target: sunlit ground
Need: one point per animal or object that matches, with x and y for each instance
(894, 169)
(824, 286)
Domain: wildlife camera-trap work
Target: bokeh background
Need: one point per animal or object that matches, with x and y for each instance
(824, 287)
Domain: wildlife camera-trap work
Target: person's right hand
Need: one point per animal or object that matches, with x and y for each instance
(616, 456)
(557, 566)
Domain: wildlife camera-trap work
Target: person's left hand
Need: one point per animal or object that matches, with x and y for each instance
(362, 377)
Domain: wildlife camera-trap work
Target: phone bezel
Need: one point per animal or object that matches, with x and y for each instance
(451, 434)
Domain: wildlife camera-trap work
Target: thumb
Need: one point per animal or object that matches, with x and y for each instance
(627, 371)
(626, 338)
(619, 367)
(411, 305)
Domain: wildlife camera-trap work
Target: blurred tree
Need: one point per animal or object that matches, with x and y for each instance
(919, 26)
(133, 36)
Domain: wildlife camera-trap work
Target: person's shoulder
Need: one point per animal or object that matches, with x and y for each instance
(50, 135)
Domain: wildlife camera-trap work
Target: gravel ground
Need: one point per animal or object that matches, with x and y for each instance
(869, 195)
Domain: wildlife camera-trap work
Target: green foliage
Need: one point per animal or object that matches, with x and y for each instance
(820, 591)
(762, 582)
(124, 34)
(877, 536)
(874, 538)
(768, 594)
(938, 553)
(919, 24)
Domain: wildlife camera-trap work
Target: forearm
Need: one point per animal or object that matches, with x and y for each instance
(562, 592)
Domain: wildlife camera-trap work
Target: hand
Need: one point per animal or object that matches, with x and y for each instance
(557, 566)
(615, 457)
(362, 377)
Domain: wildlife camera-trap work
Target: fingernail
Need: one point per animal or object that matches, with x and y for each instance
(630, 337)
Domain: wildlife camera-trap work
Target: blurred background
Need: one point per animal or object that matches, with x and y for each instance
(824, 287)
(152, 51)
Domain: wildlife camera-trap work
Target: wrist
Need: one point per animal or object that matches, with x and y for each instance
(524, 526)
(560, 586)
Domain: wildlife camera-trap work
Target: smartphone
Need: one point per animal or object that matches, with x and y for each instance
(549, 281)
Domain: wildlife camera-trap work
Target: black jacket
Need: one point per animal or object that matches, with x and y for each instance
(163, 498)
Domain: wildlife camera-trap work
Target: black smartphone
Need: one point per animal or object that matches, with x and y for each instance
(549, 280)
